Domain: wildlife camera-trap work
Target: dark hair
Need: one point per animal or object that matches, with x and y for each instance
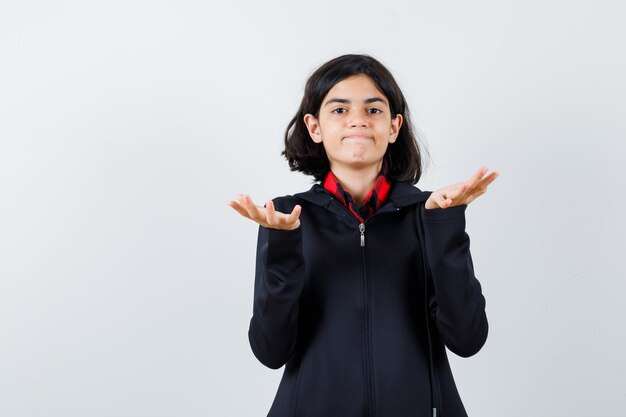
(403, 157)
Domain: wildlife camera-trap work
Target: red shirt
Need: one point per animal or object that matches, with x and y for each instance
(374, 199)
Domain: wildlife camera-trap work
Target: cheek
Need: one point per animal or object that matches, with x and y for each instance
(332, 135)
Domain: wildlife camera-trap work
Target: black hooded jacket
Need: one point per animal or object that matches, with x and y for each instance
(361, 314)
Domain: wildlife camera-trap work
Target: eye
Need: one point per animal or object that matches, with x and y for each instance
(377, 111)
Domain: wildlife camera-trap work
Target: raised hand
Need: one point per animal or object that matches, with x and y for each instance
(461, 192)
(266, 216)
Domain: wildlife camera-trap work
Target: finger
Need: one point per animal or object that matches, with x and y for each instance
(492, 177)
(444, 200)
(478, 175)
(487, 180)
(239, 208)
(272, 216)
(243, 203)
(252, 208)
(294, 213)
(470, 199)
(246, 211)
(475, 180)
(475, 196)
(237, 205)
(458, 190)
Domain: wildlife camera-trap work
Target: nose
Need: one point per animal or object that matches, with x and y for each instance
(358, 121)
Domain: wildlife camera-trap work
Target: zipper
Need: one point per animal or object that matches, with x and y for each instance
(362, 229)
(434, 380)
(435, 393)
(368, 334)
(367, 342)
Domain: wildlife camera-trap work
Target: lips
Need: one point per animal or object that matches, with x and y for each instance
(361, 137)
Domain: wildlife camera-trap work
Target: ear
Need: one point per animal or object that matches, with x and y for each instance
(313, 126)
(394, 130)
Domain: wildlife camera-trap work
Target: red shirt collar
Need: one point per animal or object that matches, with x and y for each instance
(375, 198)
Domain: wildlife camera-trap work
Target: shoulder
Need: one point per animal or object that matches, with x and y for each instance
(404, 194)
(286, 203)
(316, 195)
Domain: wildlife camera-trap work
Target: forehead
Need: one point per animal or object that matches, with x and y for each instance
(354, 89)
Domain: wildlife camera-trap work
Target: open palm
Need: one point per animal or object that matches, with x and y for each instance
(266, 216)
(462, 192)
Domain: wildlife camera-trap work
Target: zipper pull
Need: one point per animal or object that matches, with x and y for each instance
(362, 229)
(435, 412)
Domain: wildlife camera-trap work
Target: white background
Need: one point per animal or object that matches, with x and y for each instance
(125, 126)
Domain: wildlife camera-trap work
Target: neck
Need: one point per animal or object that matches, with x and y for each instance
(358, 182)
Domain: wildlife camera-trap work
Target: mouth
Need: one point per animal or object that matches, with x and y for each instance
(358, 137)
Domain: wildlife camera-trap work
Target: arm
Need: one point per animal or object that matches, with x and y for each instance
(278, 282)
(457, 305)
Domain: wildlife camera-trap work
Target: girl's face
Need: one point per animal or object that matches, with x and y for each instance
(355, 124)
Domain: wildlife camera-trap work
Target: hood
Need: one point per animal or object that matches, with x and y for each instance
(402, 194)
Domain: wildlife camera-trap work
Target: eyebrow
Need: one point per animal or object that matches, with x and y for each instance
(345, 100)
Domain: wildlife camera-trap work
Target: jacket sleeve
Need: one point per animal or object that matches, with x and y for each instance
(278, 283)
(457, 305)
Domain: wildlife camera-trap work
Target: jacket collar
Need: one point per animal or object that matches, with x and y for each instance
(402, 194)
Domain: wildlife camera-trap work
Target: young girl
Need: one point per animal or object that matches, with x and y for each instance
(362, 281)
